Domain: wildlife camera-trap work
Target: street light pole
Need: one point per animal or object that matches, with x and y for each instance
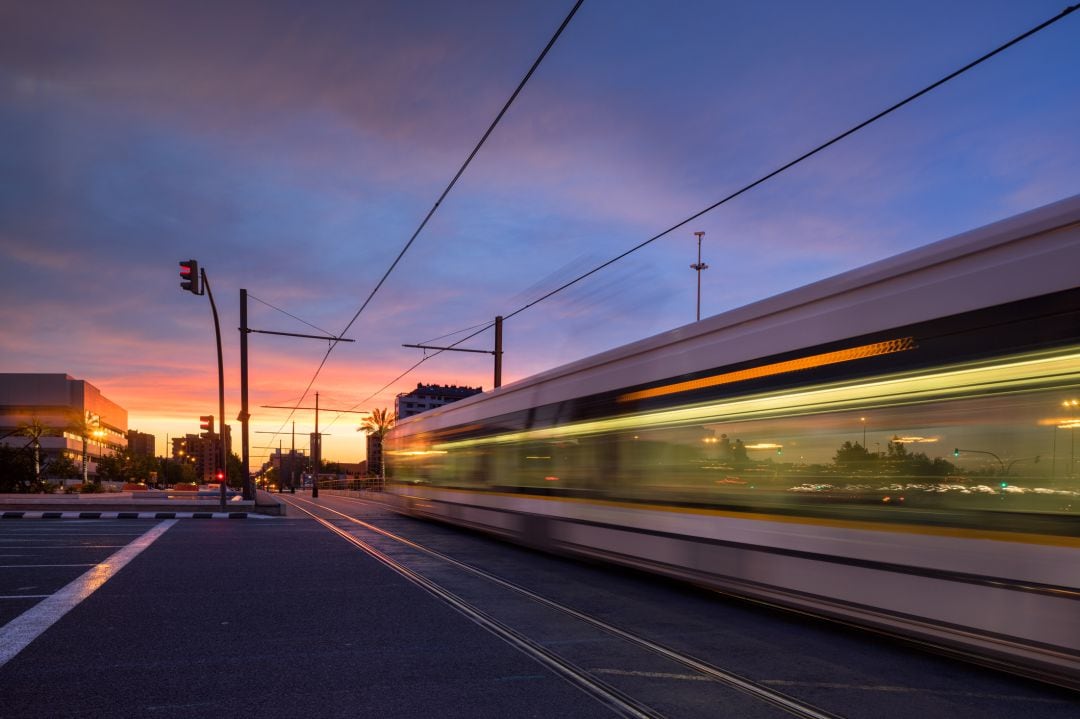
(698, 268)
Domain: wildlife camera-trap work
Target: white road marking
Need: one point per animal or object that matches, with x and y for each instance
(140, 515)
(77, 546)
(28, 626)
(24, 596)
(25, 566)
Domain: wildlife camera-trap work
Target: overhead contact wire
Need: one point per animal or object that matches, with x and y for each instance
(289, 314)
(804, 156)
(438, 202)
(1068, 10)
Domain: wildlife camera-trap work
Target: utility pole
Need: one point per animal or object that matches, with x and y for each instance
(498, 351)
(316, 452)
(316, 439)
(245, 416)
(698, 268)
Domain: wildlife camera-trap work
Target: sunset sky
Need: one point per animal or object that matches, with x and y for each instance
(292, 148)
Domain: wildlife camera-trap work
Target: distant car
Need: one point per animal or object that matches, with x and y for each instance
(213, 490)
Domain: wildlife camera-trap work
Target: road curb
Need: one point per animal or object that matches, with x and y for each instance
(130, 515)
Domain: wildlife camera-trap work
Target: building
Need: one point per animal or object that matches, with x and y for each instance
(203, 453)
(79, 421)
(141, 444)
(374, 455)
(289, 465)
(430, 396)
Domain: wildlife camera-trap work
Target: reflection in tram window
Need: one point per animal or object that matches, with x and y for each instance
(981, 435)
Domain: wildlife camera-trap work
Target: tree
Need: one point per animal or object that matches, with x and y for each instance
(915, 464)
(81, 426)
(177, 472)
(115, 468)
(61, 467)
(16, 470)
(35, 430)
(851, 456)
(234, 472)
(377, 425)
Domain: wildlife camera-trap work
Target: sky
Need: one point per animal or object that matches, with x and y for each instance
(293, 148)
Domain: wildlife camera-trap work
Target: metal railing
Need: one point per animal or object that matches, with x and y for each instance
(362, 484)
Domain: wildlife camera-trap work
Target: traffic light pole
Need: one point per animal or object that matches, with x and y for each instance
(221, 387)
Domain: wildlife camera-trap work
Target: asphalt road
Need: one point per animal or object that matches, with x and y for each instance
(282, 618)
(273, 618)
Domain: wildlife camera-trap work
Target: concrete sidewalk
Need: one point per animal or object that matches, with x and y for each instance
(151, 501)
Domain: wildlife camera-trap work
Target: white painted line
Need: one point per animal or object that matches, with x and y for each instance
(74, 546)
(144, 515)
(24, 596)
(28, 626)
(36, 566)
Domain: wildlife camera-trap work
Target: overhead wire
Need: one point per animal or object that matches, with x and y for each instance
(800, 158)
(438, 202)
(755, 183)
(298, 319)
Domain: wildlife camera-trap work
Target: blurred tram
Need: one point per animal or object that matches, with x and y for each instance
(893, 447)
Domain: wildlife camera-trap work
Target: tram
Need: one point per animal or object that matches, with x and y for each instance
(893, 447)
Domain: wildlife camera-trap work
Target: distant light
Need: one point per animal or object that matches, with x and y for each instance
(765, 445)
(551, 479)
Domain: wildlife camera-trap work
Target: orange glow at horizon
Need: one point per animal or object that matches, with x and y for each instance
(168, 404)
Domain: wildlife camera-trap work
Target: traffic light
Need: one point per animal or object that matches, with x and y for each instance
(206, 424)
(956, 452)
(220, 475)
(189, 277)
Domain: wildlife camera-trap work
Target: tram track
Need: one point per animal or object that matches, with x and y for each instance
(632, 647)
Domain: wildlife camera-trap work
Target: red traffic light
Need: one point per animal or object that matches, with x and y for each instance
(206, 424)
(189, 277)
(220, 476)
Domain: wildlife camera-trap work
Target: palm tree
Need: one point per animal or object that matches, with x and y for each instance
(35, 430)
(377, 425)
(84, 426)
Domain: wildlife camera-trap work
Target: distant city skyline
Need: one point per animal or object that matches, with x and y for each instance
(292, 149)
